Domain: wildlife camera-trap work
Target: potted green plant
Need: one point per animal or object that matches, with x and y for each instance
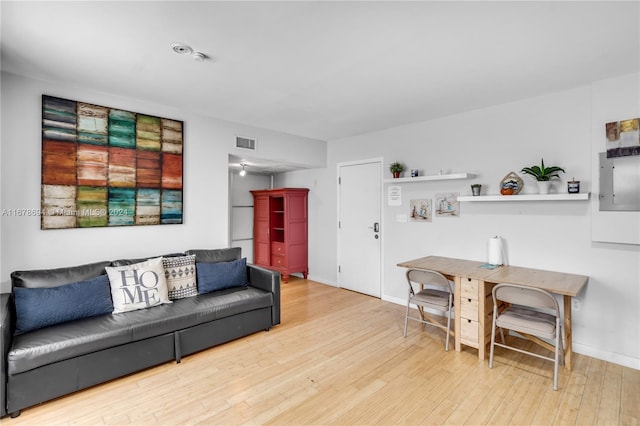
(544, 175)
(396, 168)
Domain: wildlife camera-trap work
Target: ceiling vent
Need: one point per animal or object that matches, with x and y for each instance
(245, 143)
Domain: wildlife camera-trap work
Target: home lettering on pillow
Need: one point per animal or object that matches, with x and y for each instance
(140, 286)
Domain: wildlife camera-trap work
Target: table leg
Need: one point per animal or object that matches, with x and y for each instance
(482, 343)
(568, 349)
(456, 308)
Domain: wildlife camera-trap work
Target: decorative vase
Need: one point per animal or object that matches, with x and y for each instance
(543, 186)
(396, 175)
(506, 191)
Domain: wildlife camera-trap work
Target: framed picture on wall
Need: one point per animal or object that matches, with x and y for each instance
(623, 138)
(420, 210)
(104, 166)
(447, 204)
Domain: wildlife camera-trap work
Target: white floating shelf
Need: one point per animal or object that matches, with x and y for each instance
(527, 197)
(451, 176)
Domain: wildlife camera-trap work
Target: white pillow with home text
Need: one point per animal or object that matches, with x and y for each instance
(138, 286)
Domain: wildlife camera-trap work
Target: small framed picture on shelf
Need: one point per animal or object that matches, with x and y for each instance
(511, 184)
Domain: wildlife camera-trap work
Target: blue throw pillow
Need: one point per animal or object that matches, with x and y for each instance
(44, 306)
(221, 275)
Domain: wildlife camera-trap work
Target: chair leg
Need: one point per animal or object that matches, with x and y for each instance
(556, 361)
(493, 338)
(406, 320)
(446, 344)
(555, 372)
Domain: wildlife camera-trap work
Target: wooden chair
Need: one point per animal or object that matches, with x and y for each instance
(435, 292)
(532, 312)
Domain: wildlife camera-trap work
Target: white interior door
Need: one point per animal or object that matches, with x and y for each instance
(359, 234)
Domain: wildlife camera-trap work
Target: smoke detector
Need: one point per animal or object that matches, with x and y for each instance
(182, 49)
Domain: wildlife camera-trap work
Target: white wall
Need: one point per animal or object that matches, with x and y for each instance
(208, 143)
(322, 211)
(548, 235)
(613, 100)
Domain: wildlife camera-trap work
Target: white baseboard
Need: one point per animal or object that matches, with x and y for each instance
(613, 357)
(322, 280)
(396, 300)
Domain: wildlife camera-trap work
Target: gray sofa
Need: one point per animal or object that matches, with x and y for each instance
(53, 361)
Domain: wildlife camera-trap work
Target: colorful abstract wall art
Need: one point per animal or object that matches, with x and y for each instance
(108, 167)
(623, 138)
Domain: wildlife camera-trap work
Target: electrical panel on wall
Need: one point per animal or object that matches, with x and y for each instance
(619, 183)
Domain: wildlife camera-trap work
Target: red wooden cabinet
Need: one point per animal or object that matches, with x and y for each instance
(280, 230)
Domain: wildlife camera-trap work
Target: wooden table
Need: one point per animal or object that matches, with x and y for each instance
(473, 302)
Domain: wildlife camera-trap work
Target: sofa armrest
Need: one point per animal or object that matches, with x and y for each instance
(6, 328)
(267, 280)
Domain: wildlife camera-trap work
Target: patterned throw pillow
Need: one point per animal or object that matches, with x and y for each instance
(138, 286)
(180, 273)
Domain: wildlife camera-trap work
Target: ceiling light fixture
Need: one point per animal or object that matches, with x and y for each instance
(243, 171)
(198, 57)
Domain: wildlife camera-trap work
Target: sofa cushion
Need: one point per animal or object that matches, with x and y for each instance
(191, 311)
(76, 338)
(65, 341)
(138, 286)
(180, 273)
(41, 307)
(58, 276)
(125, 262)
(221, 275)
(216, 255)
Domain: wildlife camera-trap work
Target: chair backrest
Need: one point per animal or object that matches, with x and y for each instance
(428, 277)
(517, 294)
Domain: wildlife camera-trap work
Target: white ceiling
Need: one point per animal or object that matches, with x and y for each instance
(261, 166)
(324, 70)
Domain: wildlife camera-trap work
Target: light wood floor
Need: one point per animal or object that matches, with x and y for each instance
(340, 358)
